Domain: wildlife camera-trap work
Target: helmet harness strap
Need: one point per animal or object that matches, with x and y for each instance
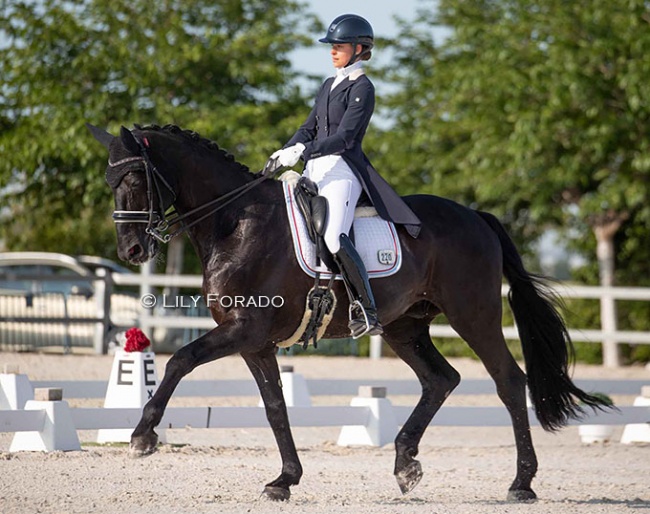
(357, 56)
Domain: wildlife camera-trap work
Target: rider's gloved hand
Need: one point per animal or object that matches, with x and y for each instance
(288, 157)
(271, 167)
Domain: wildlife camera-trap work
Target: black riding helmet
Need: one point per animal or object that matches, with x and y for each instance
(353, 29)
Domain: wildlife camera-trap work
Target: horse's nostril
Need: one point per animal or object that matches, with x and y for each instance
(135, 250)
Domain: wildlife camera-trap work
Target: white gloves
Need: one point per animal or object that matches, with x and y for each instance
(288, 157)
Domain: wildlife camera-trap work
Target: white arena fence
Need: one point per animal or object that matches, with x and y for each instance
(372, 414)
(29, 321)
(89, 389)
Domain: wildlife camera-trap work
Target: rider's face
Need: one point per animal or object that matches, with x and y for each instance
(342, 53)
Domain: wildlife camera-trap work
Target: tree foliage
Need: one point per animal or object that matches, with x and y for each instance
(533, 109)
(217, 67)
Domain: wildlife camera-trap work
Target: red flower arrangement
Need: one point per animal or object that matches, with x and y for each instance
(136, 341)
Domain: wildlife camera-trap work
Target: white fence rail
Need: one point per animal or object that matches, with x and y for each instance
(325, 387)
(371, 417)
(148, 318)
(317, 416)
(250, 417)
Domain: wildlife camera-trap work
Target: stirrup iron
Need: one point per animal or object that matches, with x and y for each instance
(356, 304)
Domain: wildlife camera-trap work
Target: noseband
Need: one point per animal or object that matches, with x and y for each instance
(158, 223)
(131, 216)
(155, 184)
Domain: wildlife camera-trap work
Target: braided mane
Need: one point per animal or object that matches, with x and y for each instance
(194, 138)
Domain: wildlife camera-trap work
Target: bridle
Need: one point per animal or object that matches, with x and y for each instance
(158, 188)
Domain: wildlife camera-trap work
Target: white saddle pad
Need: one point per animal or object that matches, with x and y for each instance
(376, 240)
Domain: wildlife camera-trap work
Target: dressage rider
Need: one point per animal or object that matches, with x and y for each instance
(329, 141)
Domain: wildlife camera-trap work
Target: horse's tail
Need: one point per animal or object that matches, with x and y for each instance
(545, 340)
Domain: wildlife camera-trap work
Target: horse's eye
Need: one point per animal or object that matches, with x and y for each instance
(134, 180)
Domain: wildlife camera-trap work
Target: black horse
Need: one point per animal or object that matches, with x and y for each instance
(238, 225)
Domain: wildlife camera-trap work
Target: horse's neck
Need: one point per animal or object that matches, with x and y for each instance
(200, 174)
(205, 181)
(221, 236)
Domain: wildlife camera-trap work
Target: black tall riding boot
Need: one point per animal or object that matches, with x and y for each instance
(363, 312)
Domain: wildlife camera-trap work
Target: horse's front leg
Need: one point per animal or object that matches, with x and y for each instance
(224, 340)
(264, 367)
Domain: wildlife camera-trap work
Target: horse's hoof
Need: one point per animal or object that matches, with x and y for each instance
(144, 445)
(409, 477)
(521, 495)
(276, 494)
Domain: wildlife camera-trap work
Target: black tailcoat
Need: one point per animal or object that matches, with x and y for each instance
(336, 125)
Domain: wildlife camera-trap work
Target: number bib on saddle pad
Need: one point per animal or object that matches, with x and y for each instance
(376, 240)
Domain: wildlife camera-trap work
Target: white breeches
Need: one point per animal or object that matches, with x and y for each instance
(342, 188)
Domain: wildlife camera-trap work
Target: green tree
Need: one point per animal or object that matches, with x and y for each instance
(220, 68)
(532, 109)
(535, 110)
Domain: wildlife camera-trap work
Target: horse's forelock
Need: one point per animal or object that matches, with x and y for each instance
(115, 173)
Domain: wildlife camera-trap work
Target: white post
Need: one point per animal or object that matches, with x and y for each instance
(638, 432)
(375, 347)
(103, 309)
(15, 389)
(145, 322)
(381, 427)
(605, 253)
(294, 388)
(611, 357)
(58, 432)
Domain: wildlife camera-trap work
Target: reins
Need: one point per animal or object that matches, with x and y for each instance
(231, 196)
(157, 222)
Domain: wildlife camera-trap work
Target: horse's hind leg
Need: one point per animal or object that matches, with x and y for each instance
(264, 367)
(409, 339)
(484, 335)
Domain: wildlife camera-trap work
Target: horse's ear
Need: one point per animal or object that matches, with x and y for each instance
(101, 135)
(128, 140)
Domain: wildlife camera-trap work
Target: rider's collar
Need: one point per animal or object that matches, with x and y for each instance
(349, 71)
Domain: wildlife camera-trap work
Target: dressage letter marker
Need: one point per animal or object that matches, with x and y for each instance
(149, 375)
(132, 384)
(124, 373)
